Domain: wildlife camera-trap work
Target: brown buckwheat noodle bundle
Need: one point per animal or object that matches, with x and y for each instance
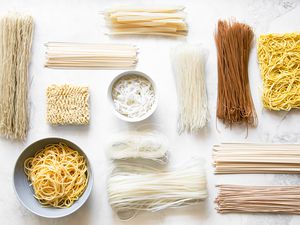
(233, 42)
(258, 199)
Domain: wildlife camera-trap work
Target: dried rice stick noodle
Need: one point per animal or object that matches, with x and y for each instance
(258, 199)
(139, 145)
(147, 20)
(188, 64)
(279, 59)
(16, 31)
(90, 56)
(241, 158)
(233, 42)
(133, 188)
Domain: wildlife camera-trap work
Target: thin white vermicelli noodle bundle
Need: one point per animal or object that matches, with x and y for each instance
(134, 187)
(139, 145)
(188, 65)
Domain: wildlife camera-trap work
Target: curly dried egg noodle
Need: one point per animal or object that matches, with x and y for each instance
(279, 59)
(133, 96)
(58, 175)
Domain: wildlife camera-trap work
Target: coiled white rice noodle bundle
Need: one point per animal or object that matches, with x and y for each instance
(149, 145)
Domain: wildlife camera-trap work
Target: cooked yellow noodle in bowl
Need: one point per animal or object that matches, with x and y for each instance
(58, 175)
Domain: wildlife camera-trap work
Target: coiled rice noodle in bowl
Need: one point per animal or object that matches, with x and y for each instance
(133, 95)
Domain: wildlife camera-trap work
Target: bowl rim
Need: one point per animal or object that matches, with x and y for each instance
(89, 186)
(110, 99)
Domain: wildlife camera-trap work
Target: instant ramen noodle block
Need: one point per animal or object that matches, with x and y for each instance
(67, 104)
(279, 60)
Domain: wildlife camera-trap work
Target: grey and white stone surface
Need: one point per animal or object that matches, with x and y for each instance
(81, 21)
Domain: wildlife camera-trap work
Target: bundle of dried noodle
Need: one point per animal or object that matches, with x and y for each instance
(239, 158)
(188, 65)
(16, 32)
(233, 42)
(258, 199)
(65, 55)
(147, 20)
(135, 187)
(149, 145)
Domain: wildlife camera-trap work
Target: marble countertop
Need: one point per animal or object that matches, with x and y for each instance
(81, 21)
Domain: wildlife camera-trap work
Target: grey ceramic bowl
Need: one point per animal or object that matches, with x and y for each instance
(25, 192)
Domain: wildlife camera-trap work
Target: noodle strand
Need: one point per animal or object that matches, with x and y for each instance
(58, 175)
(233, 42)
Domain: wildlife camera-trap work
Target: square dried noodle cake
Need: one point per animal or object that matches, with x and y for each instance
(67, 104)
(279, 60)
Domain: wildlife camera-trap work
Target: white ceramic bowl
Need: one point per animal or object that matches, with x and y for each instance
(110, 98)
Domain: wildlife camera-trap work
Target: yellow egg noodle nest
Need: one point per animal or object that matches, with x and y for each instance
(279, 60)
(67, 104)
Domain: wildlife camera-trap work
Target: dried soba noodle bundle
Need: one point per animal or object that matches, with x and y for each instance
(147, 20)
(139, 145)
(258, 199)
(133, 188)
(188, 65)
(233, 42)
(238, 158)
(90, 56)
(16, 32)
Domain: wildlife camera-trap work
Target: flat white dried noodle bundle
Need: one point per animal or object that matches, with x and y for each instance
(188, 65)
(139, 145)
(239, 158)
(16, 31)
(67, 104)
(135, 187)
(147, 20)
(65, 55)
